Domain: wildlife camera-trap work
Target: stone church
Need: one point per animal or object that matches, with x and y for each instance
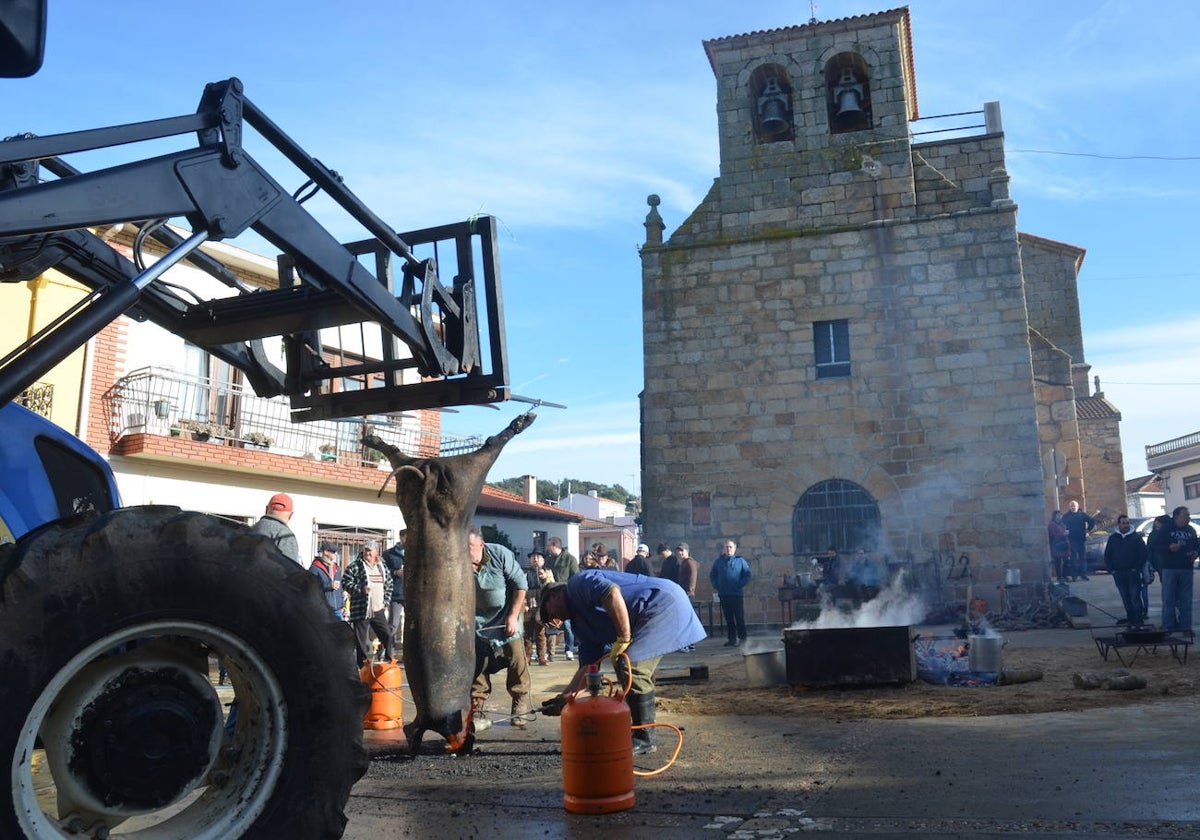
(849, 343)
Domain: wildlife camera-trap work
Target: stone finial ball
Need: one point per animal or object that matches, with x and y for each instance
(653, 200)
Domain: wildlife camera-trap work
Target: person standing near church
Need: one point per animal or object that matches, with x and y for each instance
(394, 558)
(274, 525)
(564, 566)
(729, 575)
(369, 584)
(1078, 525)
(1125, 557)
(1176, 547)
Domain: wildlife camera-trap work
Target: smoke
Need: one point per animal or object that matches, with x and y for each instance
(895, 606)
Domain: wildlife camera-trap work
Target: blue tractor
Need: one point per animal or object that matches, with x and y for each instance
(112, 618)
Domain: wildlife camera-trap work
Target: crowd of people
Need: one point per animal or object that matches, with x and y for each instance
(1168, 554)
(599, 607)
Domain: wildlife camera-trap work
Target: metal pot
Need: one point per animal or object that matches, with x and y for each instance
(985, 654)
(765, 669)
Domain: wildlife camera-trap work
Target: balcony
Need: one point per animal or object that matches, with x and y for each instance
(166, 403)
(1173, 453)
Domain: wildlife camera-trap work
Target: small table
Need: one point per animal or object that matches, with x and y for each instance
(1177, 642)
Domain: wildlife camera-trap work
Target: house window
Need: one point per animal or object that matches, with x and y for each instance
(831, 346)
(1191, 487)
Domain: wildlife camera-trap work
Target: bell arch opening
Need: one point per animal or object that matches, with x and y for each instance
(771, 95)
(848, 93)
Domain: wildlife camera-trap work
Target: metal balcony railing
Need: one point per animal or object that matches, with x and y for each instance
(161, 401)
(38, 398)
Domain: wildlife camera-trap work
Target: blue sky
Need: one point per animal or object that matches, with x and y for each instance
(559, 119)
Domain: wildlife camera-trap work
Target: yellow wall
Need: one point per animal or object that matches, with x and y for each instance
(26, 308)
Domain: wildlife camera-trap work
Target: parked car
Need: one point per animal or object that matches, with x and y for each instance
(1093, 550)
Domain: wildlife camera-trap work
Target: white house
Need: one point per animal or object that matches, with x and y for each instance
(594, 506)
(1177, 463)
(1144, 496)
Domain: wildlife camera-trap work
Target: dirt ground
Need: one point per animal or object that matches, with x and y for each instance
(727, 691)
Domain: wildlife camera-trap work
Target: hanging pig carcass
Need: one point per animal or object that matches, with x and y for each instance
(437, 497)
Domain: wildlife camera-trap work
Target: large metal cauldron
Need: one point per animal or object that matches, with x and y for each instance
(855, 656)
(985, 654)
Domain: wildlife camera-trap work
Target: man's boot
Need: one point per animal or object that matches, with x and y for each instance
(641, 710)
(522, 711)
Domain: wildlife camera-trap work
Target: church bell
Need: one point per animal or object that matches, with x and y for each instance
(847, 99)
(773, 109)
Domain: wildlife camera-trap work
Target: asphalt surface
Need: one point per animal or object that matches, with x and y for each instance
(1103, 773)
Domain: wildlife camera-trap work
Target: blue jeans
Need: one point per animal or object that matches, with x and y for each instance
(568, 636)
(1177, 599)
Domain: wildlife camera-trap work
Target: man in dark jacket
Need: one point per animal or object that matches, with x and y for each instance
(1078, 525)
(1124, 557)
(1176, 547)
(326, 568)
(394, 558)
(639, 564)
(670, 563)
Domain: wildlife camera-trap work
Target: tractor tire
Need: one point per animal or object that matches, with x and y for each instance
(110, 629)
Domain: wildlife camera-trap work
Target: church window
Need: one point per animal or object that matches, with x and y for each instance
(835, 513)
(831, 346)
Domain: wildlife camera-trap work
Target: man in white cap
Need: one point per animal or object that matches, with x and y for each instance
(639, 564)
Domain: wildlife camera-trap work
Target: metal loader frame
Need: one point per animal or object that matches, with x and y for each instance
(425, 329)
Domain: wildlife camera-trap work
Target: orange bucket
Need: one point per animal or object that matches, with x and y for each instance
(385, 679)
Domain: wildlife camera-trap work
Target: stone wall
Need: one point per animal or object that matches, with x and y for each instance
(937, 421)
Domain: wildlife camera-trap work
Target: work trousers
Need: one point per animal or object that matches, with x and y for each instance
(489, 660)
(376, 623)
(641, 673)
(535, 638)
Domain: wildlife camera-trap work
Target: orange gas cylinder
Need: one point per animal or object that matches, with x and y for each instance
(597, 751)
(385, 680)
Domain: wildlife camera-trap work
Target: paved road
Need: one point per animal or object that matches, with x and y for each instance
(1107, 773)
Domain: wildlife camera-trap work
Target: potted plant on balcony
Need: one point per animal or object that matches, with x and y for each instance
(212, 432)
(257, 440)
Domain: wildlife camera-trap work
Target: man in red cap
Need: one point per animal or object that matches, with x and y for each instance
(274, 524)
